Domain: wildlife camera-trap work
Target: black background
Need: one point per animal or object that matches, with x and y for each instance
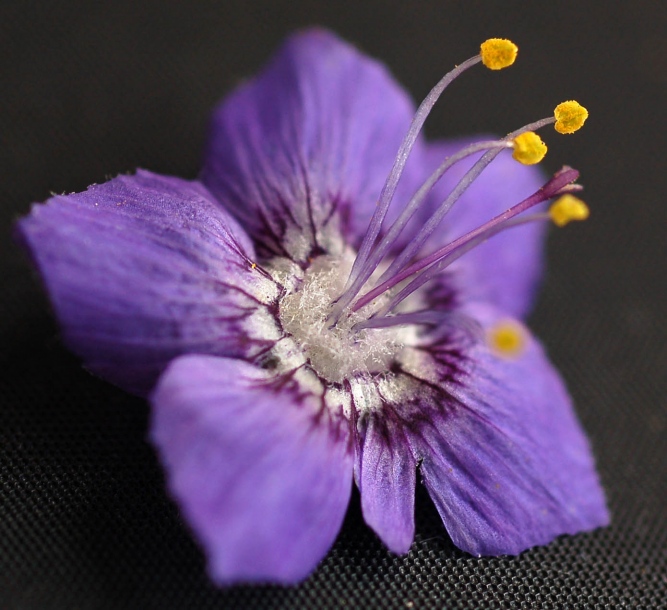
(88, 90)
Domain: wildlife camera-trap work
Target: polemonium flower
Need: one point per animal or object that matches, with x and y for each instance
(323, 306)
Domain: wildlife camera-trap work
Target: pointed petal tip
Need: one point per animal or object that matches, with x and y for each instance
(226, 575)
(133, 269)
(264, 490)
(399, 544)
(394, 526)
(341, 109)
(316, 33)
(510, 468)
(388, 473)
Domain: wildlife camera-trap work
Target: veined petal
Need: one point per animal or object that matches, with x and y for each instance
(505, 270)
(262, 474)
(142, 269)
(386, 477)
(504, 457)
(302, 152)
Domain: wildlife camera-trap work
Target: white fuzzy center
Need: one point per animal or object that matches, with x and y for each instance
(338, 353)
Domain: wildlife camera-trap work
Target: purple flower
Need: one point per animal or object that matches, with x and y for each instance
(295, 333)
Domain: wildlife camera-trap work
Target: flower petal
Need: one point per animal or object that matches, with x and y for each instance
(307, 145)
(142, 269)
(387, 476)
(504, 457)
(505, 270)
(262, 475)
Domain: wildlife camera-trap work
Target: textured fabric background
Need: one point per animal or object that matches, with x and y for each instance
(88, 90)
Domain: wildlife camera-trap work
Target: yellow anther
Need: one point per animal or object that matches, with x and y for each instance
(507, 338)
(529, 148)
(498, 53)
(570, 116)
(567, 208)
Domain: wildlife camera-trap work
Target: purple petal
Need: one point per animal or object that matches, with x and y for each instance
(505, 459)
(505, 270)
(387, 475)
(262, 475)
(307, 144)
(142, 269)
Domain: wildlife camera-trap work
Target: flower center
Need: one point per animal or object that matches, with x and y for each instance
(336, 352)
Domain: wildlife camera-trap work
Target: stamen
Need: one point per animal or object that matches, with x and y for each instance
(570, 117)
(528, 149)
(507, 338)
(568, 208)
(391, 183)
(418, 241)
(354, 286)
(559, 184)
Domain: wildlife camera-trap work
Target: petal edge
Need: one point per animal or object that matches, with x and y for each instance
(262, 481)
